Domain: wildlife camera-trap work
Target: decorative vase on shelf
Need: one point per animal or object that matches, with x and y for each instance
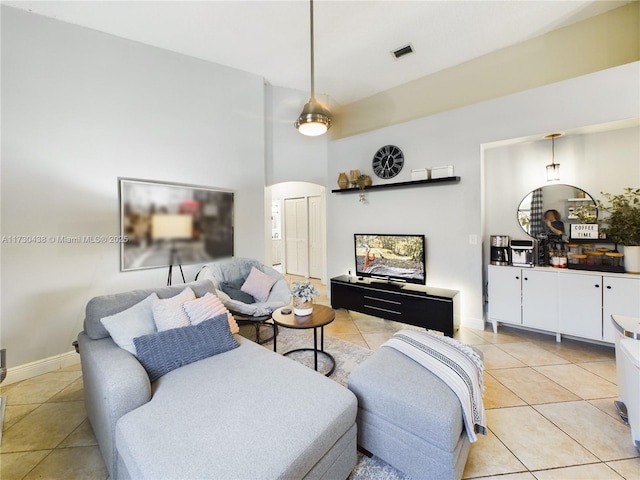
(343, 180)
(302, 307)
(353, 177)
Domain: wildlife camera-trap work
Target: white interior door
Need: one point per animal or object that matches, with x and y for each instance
(316, 254)
(296, 237)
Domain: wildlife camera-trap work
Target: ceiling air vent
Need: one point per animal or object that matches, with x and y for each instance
(402, 51)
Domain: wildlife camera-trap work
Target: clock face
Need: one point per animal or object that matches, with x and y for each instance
(388, 161)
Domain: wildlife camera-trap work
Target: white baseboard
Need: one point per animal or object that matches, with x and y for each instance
(39, 367)
(475, 323)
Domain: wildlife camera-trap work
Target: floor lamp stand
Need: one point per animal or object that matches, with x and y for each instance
(174, 258)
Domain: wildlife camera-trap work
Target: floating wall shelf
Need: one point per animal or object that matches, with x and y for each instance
(413, 183)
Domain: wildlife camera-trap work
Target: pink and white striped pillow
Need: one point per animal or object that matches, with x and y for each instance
(207, 307)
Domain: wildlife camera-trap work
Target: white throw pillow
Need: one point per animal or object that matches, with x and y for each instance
(207, 307)
(258, 284)
(133, 322)
(168, 313)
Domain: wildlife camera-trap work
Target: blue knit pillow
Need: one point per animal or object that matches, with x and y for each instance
(161, 352)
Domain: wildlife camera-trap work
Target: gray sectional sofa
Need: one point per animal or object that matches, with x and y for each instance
(247, 413)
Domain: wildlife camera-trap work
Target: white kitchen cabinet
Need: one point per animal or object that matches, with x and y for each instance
(505, 293)
(620, 296)
(523, 297)
(580, 305)
(540, 299)
(562, 301)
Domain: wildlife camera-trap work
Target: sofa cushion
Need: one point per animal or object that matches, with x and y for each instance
(133, 322)
(164, 351)
(169, 313)
(105, 305)
(258, 285)
(207, 307)
(281, 415)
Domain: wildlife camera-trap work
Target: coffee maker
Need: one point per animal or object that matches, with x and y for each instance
(499, 250)
(523, 253)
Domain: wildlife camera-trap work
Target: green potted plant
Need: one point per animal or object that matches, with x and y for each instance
(303, 294)
(622, 226)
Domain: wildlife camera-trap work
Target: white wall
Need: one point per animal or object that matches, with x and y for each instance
(79, 110)
(292, 157)
(449, 213)
(604, 161)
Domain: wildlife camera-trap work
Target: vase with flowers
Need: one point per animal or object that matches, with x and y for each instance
(303, 294)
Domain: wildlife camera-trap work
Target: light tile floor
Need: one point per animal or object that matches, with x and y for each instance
(549, 410)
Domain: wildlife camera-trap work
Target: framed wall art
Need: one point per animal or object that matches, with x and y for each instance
(169, 224)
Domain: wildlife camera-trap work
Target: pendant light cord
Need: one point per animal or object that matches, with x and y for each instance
(313, 87)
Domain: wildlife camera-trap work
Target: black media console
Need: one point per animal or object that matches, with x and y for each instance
(428, 307)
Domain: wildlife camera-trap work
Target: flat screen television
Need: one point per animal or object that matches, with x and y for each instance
(390, 257)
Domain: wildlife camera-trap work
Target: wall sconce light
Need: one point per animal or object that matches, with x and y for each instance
(553, 169)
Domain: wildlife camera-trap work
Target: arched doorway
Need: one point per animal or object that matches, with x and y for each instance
(298, 226)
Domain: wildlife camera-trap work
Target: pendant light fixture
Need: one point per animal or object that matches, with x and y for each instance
(313, 120)
(553, 169)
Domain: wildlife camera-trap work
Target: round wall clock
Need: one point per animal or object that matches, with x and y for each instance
(388, 161)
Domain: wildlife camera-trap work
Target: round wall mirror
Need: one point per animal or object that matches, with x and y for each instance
(571, 205)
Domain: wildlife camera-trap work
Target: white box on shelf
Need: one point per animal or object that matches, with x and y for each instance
(420, 174)
(442, 172)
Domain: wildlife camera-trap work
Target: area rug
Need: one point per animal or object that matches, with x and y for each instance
(347, 356)
(375, 469)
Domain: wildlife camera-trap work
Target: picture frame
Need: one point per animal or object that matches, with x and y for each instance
(164, 223)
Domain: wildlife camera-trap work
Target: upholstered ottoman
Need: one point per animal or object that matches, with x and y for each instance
(408, 417)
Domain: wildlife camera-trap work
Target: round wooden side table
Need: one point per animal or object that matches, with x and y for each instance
(321, 316)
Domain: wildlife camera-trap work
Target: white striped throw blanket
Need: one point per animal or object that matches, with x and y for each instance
(456, 364)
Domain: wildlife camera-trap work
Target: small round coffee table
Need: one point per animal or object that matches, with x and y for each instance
(321, 316)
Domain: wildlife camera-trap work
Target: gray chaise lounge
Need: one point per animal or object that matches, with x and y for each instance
(246, 413)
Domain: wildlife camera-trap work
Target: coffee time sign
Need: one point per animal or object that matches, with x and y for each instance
(584, 231)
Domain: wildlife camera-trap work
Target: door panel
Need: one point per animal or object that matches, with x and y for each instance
(580, 305)
(540, 299)
(315, 237)
(621, 296)
(505, 286)
(296, 237)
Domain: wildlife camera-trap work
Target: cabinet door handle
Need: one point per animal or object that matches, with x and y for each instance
(597, 286)
(526, 278)
(609, 287)
(517, 278)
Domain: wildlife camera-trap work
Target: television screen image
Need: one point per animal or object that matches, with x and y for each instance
(391, 257)
(172, 223)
